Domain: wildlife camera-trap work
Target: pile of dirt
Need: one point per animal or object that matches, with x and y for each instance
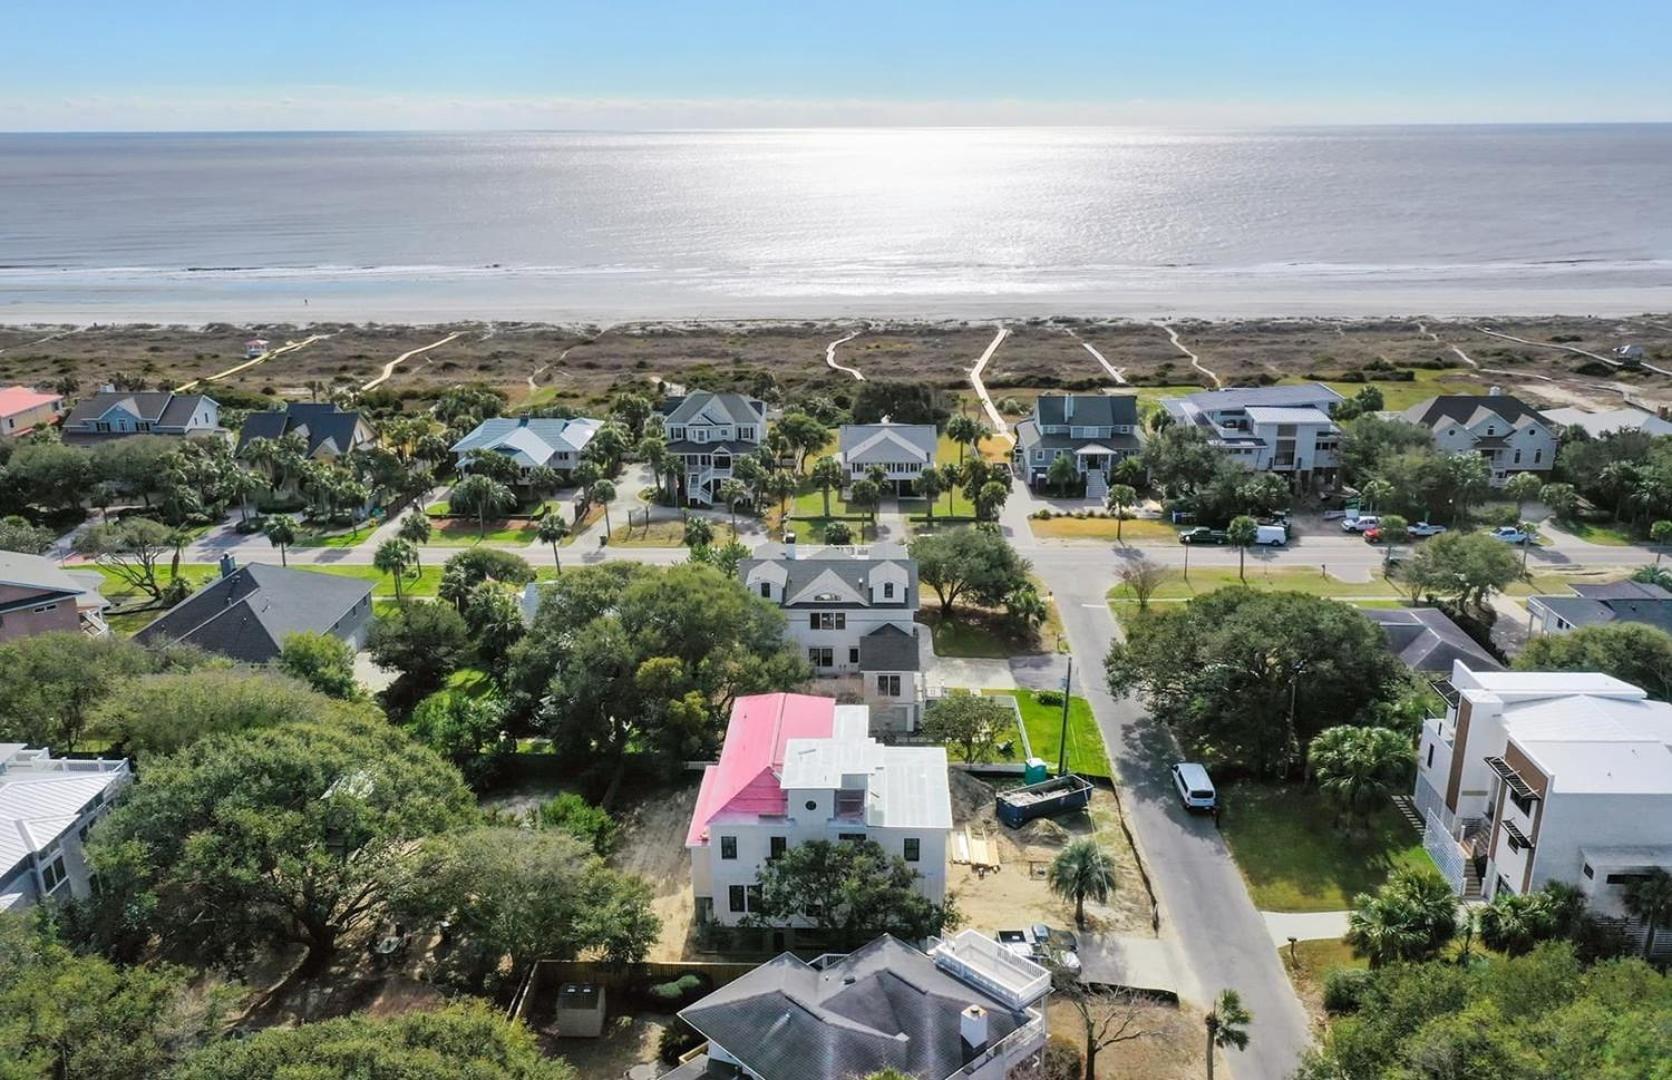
(1041, 832)
(972, 799)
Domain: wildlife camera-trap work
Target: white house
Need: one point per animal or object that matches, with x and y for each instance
(967, 1008)
(854, 611)
(796, 768)
(901, 451)
(532, 442)
(707, 432)
(1281, 429)
(1093, 430)
(1533, 777)
(1598, 424)
(114, 413)
(1510, 434)
(47, 806)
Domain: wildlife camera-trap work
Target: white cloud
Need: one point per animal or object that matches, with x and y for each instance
(334, 108)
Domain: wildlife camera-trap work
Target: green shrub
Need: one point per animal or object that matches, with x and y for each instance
(1344, 989)
(1048, 697)
(676, 1039)
(577, 817)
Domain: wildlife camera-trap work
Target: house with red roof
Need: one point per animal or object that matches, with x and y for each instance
(795, 768)
(23, 410)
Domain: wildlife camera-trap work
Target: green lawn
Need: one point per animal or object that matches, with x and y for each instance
(459, 532)
(664, 534)
(336, 539)
(1397, 396)
(1133, 530)
(1207, 579)
(1609, 534)
(1310, 961)
(1044, 723)
(1296, 857)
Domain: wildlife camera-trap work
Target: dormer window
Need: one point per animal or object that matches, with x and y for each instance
(888, 590)
(826, 597)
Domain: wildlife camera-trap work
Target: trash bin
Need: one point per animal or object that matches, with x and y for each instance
(1035, 771)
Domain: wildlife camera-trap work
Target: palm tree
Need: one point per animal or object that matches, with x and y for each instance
(1119, 498)
(733, 492)
(1227, 1024)
(867, 495)
(827, 474)
(395, 557)
(1411, 917)
(964, 431)
(1080, 871)
(281, 532)
(1375, 492)
(551, 530)
(241, 484)
(930, 483)
(1562, 500)
(653, 451)
(1061, 474)
(416, 530)
(1530, 528)
(1514, 924)
(1242, 532)
(1618, 478)
(1650, 898)
(542, 481)
(1026, 608)
(698, 533)
(482, 495)
(1659, 533)
(1469, 475)
(1523, 487)
(1358, 768)
(601, 492)
(1394, 530)
(781, 486)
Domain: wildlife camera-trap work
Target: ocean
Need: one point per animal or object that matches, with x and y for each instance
(813, 223)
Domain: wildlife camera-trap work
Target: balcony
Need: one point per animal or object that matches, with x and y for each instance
(1010, 1051)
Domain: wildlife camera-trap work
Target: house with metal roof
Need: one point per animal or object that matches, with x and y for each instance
(706, 434)
(248, 611)
(329, 432)
(965, 1008)
(901, 451)
(37, 596)
(1510, 434)
(1599, 605)
(796, 768)
(47, 806)
(111, 414)
(1609, 421)
(1095, 431)
(1540, 776)
(854, 610)
(531, 442)
(1282, 429)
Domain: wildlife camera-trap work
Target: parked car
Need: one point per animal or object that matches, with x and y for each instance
(1194, 786)
(1042, 944)
(1509, 534)
(1201, 534)
(1274, 535)
(1360, 523)
(1423, 528)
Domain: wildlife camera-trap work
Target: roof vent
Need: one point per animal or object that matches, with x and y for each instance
(1496, 391)
(848, 979)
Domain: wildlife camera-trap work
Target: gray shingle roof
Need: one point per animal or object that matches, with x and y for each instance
(886, 1004)
(853, 569)
(322, 419)
(882, 442)
(1427, 640)
(159, 407)
(889, 648)
(1463, 408)
(742, 410)
(1090, 410)
(38, 573)
(248, 614)
(1244, 396)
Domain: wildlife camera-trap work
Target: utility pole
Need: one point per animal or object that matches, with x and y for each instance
(1062, 743)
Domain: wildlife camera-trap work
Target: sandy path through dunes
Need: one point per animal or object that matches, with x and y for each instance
(1195, 361)
(389, 368)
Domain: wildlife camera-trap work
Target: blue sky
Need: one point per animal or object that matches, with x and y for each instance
(165, 64)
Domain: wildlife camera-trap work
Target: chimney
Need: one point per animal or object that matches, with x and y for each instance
(1496, 391)
(789, 546)
(1068, 407)
(228, 565)
(522, 421)
(972, 1027)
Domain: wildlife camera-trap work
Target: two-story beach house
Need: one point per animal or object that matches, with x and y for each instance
(37, 596)
(328, 432)
(1535, 776)
(796, 768)
(47, 806)
(533, 442)
(706, 433)
(111, 414)
(1094, 430)
(1510, 434)
(1600, 604)
(22, 410)
(853, 609)
(901, 451)
(966, 1008)
(1282, 429)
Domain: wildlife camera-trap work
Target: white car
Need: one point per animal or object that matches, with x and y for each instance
(1423, 528)
(1360, 523)
(1509, 534)
(1194, 787)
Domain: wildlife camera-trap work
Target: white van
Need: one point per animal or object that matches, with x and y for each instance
(1194, 786)
(1275, 535)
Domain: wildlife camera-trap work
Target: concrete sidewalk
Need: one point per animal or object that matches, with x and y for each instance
(1305, 925)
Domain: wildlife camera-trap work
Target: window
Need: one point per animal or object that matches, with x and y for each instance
(754, 894)
(1514, 844)
(44, 607)
(821, 657)
(1517, 458)
(1430, 764)
(851, 837)
(1626, 877)
(888, 685)
(676, 434)
(52, 873)
(1522, 803)
(728, 847)
(734, 897)
(853, 655)
(1538, 456)
(888, 590)
(746, 433)
(1589, 872)
(778, 845)
(766, 589)
(914, 849)
(812, 804)
(850, 802)
(828, 620)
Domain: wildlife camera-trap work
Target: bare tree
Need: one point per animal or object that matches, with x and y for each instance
(1142, 576)
(1108, 1015)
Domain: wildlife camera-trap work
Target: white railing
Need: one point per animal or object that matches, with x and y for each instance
(1447, 854)
(1022, 1043)
(1429, 802)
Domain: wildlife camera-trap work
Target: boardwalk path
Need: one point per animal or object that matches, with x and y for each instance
(287, 347)
(1114, 372)
(999, 426)
(389, 368)
(1195, 361)
(830, 356)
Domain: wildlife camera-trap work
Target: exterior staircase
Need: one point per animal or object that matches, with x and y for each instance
(1473, 843)
(1407, 808)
